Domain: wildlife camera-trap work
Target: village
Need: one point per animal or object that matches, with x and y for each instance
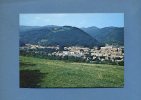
(105, 53)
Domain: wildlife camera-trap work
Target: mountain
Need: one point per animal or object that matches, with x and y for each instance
(91, 30)
(111, 35)
(107, 35)
(58, 35)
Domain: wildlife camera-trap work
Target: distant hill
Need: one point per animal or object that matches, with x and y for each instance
(58, 35)
(107, 35)
(91, 30)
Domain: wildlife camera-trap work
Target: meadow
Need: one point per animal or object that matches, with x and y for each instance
(45, 73)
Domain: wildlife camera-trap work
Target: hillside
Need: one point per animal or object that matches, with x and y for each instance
(45, 73)
(58, 35)
(91, 30)
(107, 35)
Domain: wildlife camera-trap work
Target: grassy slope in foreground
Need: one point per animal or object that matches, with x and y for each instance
(37, 72)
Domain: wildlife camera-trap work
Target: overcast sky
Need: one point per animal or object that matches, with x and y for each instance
(73, 19)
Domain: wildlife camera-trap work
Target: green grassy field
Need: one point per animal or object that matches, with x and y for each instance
(37, 72)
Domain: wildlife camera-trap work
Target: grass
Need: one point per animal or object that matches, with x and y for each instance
(37, 72)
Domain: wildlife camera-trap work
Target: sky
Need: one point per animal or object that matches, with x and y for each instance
(73, 19)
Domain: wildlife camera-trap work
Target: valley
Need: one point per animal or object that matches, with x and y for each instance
(66, 56)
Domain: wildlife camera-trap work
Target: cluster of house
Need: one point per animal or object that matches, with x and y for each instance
(102, 53)
(108, 53)
(72, 51)
(31, 46)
